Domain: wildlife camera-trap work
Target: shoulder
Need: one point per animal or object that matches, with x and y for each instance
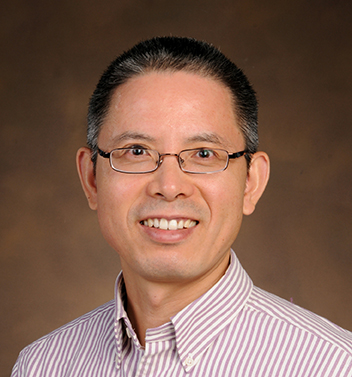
(65, 342)
(300, 319)
(94, 319)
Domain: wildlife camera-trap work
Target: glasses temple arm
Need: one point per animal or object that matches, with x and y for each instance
(238, 154)
(103, 154)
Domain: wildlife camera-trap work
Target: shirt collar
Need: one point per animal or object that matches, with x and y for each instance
(200, 323)
(122, 325)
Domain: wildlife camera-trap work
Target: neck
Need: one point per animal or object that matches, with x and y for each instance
(151, 304)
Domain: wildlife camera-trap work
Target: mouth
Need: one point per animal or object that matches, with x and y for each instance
(172, 224)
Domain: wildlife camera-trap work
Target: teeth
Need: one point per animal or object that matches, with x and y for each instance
(173, 224)
(180, 224)
(187, 223)
(169, 225)
(164, 224)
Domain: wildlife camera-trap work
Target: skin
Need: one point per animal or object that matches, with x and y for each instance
(166, 270)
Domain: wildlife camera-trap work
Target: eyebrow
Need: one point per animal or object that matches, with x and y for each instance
(132, 135)
(207, 137)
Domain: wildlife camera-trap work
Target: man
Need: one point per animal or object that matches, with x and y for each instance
(171, 168)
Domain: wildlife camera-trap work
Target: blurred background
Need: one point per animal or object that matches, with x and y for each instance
(55, 265)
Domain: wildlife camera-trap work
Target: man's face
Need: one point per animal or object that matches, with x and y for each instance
(169, 112)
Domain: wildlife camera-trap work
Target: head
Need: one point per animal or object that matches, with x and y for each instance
(175, 54)
(171, 95)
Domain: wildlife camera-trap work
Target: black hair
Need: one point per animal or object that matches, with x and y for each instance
(175, 54)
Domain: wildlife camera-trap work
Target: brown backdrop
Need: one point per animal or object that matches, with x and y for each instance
(55, 265)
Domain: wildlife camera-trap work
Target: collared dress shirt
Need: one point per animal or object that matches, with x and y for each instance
(234, 329)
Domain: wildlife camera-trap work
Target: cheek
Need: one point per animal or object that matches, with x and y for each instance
(113, 213)
(115, 197)
(225, 195)
(225, 200)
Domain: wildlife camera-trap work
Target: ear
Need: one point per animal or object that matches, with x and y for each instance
(257, 178)
(86, 175)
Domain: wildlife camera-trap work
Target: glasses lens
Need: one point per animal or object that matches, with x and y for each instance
(134, 160)
(203, 160)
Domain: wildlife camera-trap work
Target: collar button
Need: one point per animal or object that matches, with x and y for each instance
(189, 361)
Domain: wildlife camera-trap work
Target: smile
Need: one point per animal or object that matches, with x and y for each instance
(169, 224)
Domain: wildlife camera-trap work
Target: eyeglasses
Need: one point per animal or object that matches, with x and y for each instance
(139, 160)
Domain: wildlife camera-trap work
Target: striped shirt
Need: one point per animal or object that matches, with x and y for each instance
(234, 329)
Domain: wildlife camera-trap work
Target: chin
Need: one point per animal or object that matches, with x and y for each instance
(168, 272)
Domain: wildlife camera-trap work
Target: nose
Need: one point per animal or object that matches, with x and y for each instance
(169, 182)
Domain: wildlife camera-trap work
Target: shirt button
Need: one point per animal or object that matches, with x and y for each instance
(189, 361)
(128, 332)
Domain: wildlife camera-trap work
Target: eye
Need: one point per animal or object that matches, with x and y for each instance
(137, 151)
(134, 152)
(205, 153)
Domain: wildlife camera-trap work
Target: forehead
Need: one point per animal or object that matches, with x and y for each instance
(173, 105)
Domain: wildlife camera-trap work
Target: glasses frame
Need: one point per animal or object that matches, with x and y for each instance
(230, 156)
